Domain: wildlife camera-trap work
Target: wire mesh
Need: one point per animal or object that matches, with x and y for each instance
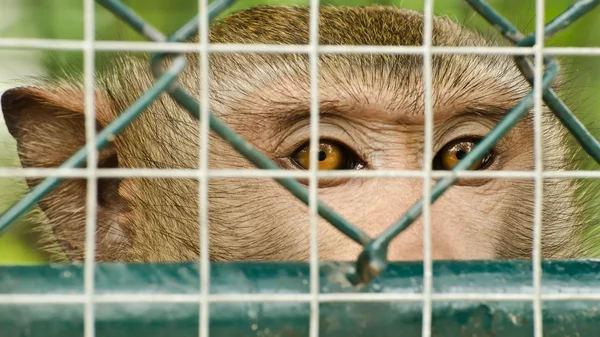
(372, 262)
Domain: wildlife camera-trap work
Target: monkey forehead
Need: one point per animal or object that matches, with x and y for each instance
(384, 87)
(388, 82)
(381, 99)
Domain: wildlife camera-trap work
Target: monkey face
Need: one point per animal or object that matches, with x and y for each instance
(371, 118)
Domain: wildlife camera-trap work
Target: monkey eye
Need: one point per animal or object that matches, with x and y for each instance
(456, 150)
(332, 156)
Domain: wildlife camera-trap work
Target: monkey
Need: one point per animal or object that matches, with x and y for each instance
(371, 110)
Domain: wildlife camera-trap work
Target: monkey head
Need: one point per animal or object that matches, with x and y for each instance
(371, 118)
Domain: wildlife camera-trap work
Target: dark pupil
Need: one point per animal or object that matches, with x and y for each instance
(322, 155)
(460, 154)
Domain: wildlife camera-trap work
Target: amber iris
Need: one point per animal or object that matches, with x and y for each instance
(456, 150)
(332, 156)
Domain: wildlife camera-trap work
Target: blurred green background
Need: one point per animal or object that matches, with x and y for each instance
(63, 19)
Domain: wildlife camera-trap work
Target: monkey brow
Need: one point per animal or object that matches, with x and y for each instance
(491, 112)
(294, 110)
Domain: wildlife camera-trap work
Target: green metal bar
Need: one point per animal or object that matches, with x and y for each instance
(476, 317)
(102, 139)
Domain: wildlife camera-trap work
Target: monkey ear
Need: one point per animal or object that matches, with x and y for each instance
(49, 127)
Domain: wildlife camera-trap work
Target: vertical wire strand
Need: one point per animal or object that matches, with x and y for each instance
(428, 158)
(91, 201)
(204, 318)
(539, 186)
(313, 165)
